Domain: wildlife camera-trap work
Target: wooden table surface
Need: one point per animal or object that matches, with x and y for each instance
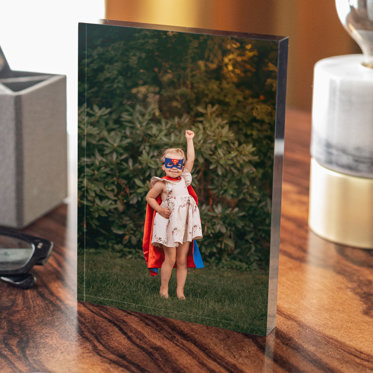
(324, 319)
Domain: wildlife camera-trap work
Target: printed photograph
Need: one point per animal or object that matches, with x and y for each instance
(176, 153)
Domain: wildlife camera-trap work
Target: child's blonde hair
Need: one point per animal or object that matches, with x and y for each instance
(173, 150)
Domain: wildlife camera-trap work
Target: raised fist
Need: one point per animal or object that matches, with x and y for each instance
(189, 134)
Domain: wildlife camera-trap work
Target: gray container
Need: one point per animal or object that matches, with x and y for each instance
(33, 144)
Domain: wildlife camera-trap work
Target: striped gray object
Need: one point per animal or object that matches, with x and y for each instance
(33, 144)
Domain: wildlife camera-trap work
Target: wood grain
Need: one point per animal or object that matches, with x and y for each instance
(325, 306)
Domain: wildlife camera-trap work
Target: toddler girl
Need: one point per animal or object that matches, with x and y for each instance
(172, 222)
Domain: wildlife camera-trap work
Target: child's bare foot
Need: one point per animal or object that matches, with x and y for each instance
(163, 293)
(180, 295)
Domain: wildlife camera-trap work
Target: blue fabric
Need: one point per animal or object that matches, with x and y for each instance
(197, 256)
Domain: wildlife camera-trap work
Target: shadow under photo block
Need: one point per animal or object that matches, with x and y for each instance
(140, 89)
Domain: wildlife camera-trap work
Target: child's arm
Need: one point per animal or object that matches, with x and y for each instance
(190, 150)
(153, 193)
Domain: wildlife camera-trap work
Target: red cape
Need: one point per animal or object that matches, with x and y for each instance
(154, 256)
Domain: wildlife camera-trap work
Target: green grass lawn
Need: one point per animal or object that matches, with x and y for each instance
(223, 298)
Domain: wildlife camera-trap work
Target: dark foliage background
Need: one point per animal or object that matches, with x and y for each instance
(138, 92)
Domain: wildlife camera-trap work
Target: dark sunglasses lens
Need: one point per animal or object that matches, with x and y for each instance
(14, 253)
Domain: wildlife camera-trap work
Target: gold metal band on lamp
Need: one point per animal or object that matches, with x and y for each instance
(341, 207)
(232, 15)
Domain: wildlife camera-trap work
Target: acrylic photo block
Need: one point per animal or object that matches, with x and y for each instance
(145, 222)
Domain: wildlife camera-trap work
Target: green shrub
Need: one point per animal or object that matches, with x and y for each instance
(118, 157)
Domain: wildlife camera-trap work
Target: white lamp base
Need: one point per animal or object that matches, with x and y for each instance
(341, 207)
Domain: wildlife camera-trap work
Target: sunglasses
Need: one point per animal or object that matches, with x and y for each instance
(19, 252)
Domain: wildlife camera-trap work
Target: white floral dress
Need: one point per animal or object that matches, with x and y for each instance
(184, 223)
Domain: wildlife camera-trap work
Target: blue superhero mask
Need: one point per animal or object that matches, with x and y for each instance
(170, 163)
